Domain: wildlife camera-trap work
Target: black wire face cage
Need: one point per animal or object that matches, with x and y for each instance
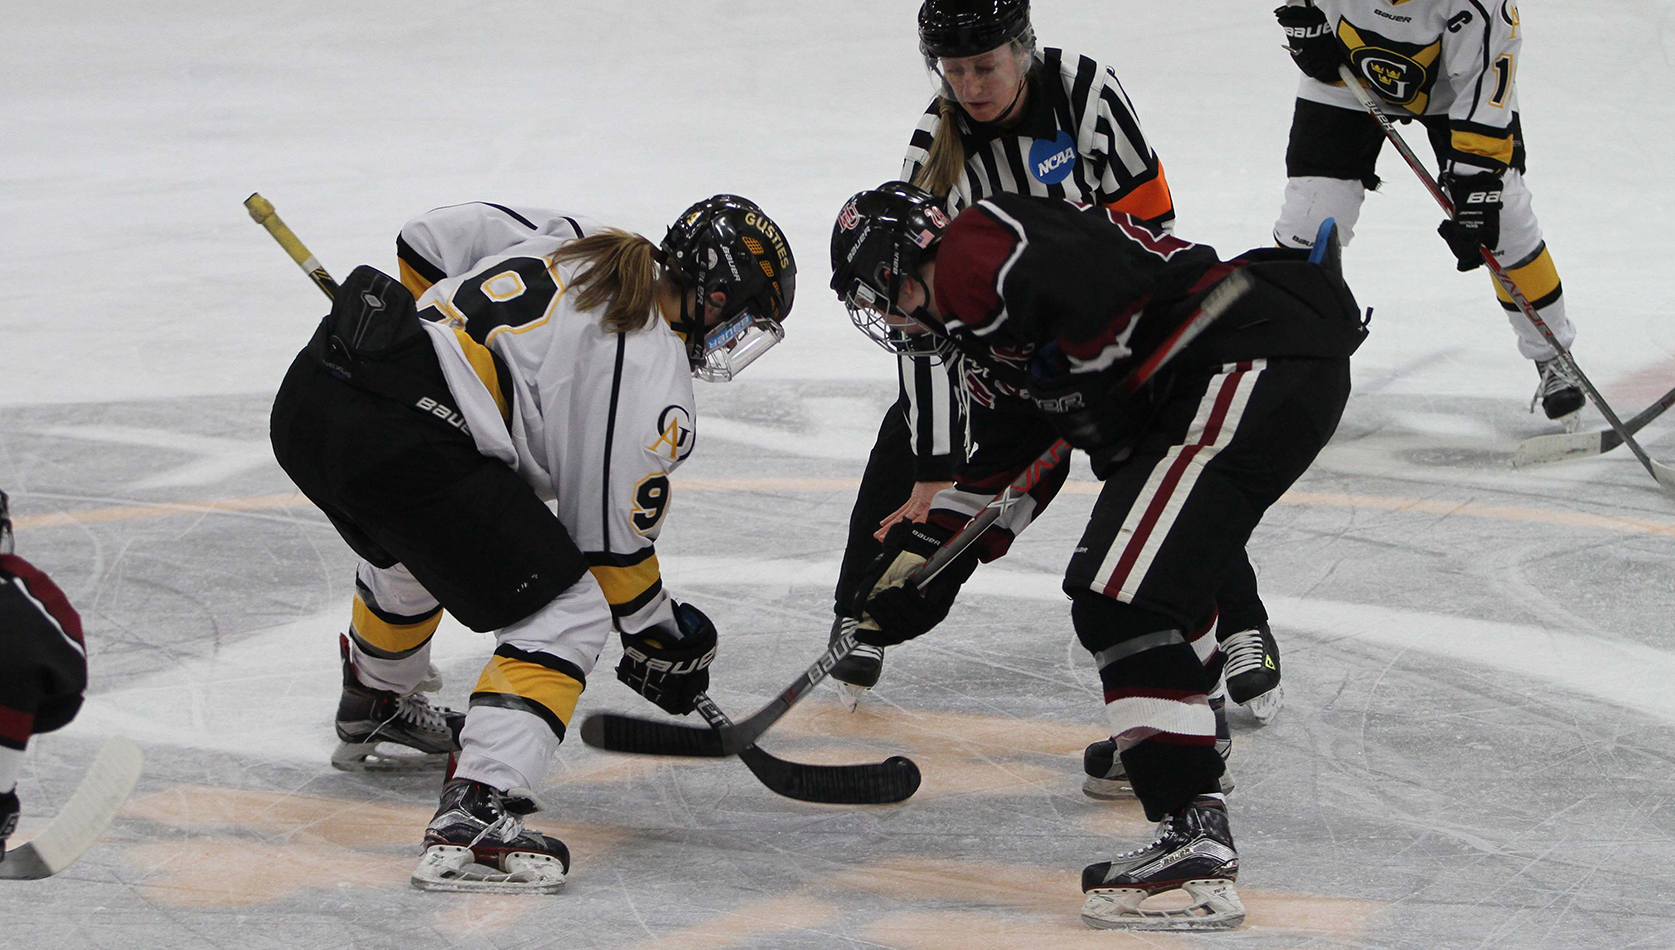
(872, 301)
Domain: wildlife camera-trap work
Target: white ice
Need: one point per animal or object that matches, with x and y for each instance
(1477, 744)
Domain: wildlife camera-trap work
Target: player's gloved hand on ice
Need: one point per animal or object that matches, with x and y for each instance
(1477, 216)
(8, 818)
(891, 609)
(1312, 44)
(673, 674)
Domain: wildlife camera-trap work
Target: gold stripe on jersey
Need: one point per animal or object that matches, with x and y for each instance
(386, 639)
(1498, 149)
(1538, 281)
(627, 584)
(482, 361)
(534, 682)
(415, 282)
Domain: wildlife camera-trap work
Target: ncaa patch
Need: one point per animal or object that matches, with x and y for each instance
(1051, 162)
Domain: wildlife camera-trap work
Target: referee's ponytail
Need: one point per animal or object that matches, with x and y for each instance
(946, 156)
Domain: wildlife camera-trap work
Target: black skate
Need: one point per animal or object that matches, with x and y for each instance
(859, 671)
(477, 843)
(1193, 852)
(1104, 777)
(384, 731)
(1559, 392)
(1253, 671)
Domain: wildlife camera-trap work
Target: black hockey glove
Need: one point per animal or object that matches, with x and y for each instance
(671, 676)
(891, 609)
(1477, 216)
(1312, 44)
(1088, 410)
(8, 818)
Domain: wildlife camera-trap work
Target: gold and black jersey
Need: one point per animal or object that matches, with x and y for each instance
(593, 420)
(1454, 58)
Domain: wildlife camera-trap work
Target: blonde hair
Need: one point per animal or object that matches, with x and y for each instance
(621, 274)
(945, 159)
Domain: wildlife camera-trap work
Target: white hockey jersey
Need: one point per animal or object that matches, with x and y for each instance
(594, 421)
(1454, 58)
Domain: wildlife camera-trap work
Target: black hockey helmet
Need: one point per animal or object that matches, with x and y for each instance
(970, 27)
(726, 244)
(880, 238)
(5, 524)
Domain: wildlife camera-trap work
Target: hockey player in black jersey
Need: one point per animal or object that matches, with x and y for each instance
(43, 665)
(1009, 117)
(1045, 307)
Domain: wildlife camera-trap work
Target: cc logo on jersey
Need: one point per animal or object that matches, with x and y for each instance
(676, 436)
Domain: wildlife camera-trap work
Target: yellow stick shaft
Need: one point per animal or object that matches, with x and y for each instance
(261, 211)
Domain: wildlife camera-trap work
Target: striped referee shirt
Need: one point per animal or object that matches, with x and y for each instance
(1078, 139)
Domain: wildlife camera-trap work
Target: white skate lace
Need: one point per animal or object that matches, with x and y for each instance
(1554, 377)
(508, 827)
(1163, 828)
(1244, 651)
(414, 708)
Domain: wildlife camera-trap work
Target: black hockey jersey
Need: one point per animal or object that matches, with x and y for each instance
(1036, 289)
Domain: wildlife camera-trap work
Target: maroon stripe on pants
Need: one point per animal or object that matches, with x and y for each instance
(1171, 480)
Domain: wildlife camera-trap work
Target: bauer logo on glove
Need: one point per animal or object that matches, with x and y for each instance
(672, 675)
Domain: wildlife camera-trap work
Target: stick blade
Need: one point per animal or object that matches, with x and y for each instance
(101, 794)
(1560, 446)
(618, 733)
(885, 783)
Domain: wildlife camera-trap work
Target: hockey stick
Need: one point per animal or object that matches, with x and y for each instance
(874, 783)
(1572, 445)
(1663, 474)
(615, 732)
(87, 814)
(619, 733)
(261, 211)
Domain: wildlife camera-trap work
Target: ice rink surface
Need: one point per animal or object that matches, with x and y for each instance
(1477, 744)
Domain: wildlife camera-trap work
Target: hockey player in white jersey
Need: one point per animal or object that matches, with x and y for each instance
(548, 359)
(1452, 65)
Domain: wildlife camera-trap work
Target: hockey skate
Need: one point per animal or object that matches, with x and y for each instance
(1558, 392)
(1104, 777)
(1193, 852)
(476, 843)
(1252, 673)
(382, 731)
(858, 672)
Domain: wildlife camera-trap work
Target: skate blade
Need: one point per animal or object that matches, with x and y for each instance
(1107, 789)
(454, 868)
(1265, 705)
(1214, 905)
(1119, 789)
(852, 694)
(366, 757)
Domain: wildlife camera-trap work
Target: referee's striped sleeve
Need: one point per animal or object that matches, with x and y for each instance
(935, 423)
(1134, 182)
(919, 146)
